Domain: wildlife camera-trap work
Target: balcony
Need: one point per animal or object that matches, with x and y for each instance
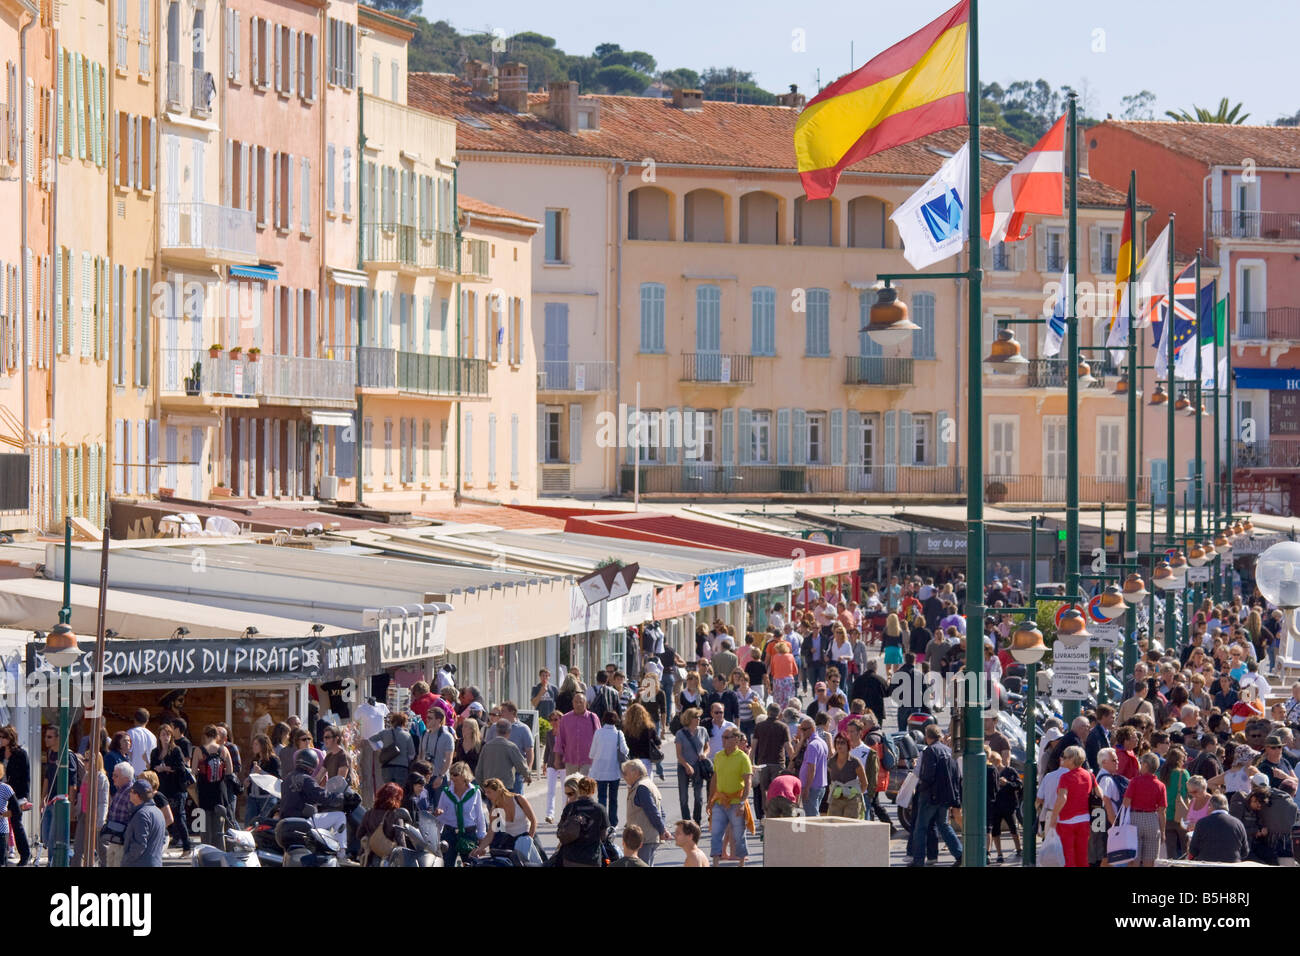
(704, 478)
(1051, 373)
(1274, 453)
(194, 378)
(407, 249)
(201, 233)
(877, 370)
(1243, 224)
(1034, 489)
(297, 380)
(575, 376)
(1277, 324)
(475, 264)
(715, 368)
(390, 370)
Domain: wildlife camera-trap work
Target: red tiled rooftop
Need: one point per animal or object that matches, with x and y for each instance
(472, 206)
(720, 134)
(1219, 144)
(502, 516)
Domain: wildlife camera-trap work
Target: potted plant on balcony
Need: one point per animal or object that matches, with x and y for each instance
(254, 353)
(234, 351)
(214, 351)
(193, 383)
(221, 491)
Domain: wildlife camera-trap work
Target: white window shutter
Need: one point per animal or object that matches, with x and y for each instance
(1021, 255)
(837, 436)
(306, 194)
(1094, 249)
(783, 436)
(575, 433)
(670, 434)
(744, 435)
(227, 169)
(906, 442)
(514, 448)
(855, 435)
(941, 446)
(288, 191)
(469, 447)
(1040, 249)
(254, 63)
(891, 439)
(799, 437)
(541, 434)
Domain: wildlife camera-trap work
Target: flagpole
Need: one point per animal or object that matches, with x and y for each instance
(1170, 333)
(1070, 708)
(1131, 465)
(1230, 431)
(1217, 504)
(1198, 487)
(974, 800)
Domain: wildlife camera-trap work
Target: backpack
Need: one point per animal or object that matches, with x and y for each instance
(213, 768)
(578, 827)
(888, 752)
(1121, 787)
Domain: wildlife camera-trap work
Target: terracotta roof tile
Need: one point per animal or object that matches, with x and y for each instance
(737, 135)
(511, 519)
(471, 205)
(1217, 144)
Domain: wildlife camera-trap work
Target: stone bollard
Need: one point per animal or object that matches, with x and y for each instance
(824, 841)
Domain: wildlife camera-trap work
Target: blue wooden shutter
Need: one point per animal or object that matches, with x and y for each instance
(891, 450)
(745, 435)
(837, 436)
(671, 434)
(855, 436)
(941, 446)
(783, 436)
(799, 439)
(906, 442)
(575, 433)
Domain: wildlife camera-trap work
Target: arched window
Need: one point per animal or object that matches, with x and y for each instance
(649, 214)
(867, 223)
(706, 219)
(760, 219)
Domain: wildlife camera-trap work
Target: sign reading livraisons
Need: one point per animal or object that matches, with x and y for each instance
(200, 661)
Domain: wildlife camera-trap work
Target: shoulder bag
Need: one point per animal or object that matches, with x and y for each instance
(703, 764)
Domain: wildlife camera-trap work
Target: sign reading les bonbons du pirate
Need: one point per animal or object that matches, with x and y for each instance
(199, 662)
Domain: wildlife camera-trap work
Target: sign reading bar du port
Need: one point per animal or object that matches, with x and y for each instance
(410, 633)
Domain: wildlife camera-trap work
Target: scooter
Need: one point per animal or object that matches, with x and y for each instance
(242, 852)
(416, 853)
(306, 845)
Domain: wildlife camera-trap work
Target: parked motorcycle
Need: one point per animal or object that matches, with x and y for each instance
(413, 850)
(306, 845)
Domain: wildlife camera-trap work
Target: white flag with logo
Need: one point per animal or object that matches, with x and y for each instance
(932, 222)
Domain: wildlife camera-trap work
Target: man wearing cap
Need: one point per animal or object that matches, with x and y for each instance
(146, 833)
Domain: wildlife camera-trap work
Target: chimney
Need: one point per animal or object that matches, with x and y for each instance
(794, 99)
(512, 88)
(688, 99)
(481, 77)
(563, 107)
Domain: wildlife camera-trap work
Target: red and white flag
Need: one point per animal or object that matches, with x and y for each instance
(1036, 184)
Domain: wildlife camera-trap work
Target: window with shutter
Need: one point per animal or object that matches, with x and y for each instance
(763, 320)
(492, 449)
(468, 433)
(329, 177)
(347, 180)
(783, 436)
(306, 196)
(837, 436)
(941, 437)
(818, 322)
(514, 449)
(923, 315)
(652, 317)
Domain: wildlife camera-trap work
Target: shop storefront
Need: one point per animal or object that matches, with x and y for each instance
(250, 684)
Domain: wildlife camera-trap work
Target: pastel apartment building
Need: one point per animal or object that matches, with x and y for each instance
(1235, 194)
(679, 252)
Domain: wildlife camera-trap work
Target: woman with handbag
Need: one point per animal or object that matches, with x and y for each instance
(693, 765)
(174, 779)
(1174, 776)
(377, 834)
(396, 750)
(1145, 799)
(1071, 816)
(608, 751)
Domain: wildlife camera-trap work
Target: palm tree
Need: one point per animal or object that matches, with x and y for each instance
(1202, 115)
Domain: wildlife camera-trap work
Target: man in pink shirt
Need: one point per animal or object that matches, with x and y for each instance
(782, 796)
(573, 736)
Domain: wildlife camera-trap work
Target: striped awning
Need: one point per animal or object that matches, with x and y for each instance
(261, 273)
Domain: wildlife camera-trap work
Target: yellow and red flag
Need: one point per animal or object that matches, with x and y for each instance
(1122, 272)
(914, 88)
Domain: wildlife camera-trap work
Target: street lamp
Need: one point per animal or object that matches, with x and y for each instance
(1004, 353)
(61, 651)
(1072, 628)
(1027, 648)
(1277, 575)
(1135, 591)
(1196, 557)
(1158, 395)
(1178, 564)
(1222, 545)
(888, 323)
(1085, 375)
(1165, 578)
(1112, 603)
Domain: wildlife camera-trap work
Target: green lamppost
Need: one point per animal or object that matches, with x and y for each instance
(1071, 708)
(61, 651)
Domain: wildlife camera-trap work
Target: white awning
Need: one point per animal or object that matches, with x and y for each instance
(348, 277)
(331, 418)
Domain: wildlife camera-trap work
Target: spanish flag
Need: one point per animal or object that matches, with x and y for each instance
(1117, 332)
(914, 88)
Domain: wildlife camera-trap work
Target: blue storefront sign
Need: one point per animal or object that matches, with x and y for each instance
(721, 587)
(1274, 379)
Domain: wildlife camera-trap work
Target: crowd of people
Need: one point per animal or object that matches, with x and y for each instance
(1191, 761)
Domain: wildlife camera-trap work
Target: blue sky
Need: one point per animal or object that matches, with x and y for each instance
(1185, 52)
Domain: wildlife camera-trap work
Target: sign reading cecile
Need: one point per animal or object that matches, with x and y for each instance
(410, 633)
